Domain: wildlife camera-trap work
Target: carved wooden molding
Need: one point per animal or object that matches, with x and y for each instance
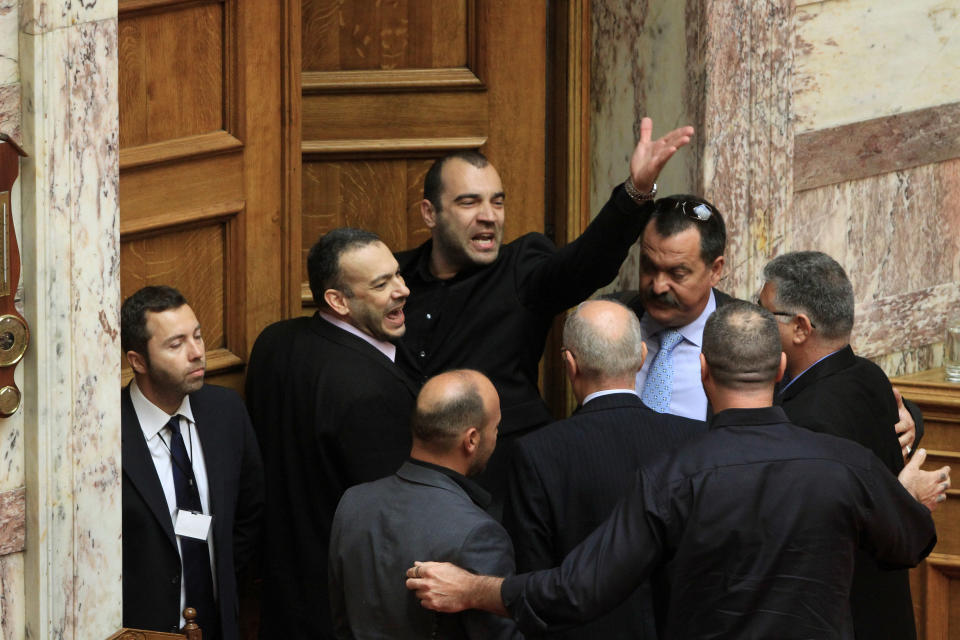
(877, 146)
(394, 81)
(12, 520)
(127, 7)
(933, 393)
(180, 218)
(384, 147)
(204, 144)
(940, 570)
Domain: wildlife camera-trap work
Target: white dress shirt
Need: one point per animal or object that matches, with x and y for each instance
(153, 421)
(386, 348)
(687, 398)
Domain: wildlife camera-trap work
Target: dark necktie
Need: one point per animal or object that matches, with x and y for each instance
(197, 580)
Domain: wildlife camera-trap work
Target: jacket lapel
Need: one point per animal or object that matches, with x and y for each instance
(826, 367)
(138, 465)
(209, 430)
(362, 349)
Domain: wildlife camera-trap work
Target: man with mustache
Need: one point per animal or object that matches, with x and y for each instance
(681, 262)
(478, 304)
(192, 478)
(331, 410)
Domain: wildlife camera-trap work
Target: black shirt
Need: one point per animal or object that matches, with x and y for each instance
(495, 318)
(756, 523)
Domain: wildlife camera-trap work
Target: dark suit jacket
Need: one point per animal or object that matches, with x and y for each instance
(381, 527)
(330, 411)
(566, 480)
(151, 564)
(848, 396)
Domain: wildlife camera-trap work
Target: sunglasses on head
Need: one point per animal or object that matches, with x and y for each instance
(691, 208)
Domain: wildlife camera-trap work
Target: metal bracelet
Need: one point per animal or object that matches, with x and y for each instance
(636, 195)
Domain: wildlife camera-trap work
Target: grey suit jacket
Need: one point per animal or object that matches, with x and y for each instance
(381, 527)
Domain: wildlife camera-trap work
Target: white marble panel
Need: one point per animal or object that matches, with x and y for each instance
(9, 29)
(12, 602)
(862, 59)
(40, 16)
(71, 254)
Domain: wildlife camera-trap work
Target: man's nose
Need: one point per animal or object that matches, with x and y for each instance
(659, 283)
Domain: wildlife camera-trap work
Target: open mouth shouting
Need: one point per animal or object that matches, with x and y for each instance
(484, 241)
(395, 317)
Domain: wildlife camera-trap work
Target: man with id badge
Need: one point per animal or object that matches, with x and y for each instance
(192, 476)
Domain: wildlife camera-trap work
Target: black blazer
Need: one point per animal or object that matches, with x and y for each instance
(848, 396)
(151, 564)
(330, 411)
(567, 478)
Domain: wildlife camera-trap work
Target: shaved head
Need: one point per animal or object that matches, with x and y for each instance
(451, 403)
(741, 344)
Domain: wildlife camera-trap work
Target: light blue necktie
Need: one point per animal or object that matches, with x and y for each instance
(659, 385)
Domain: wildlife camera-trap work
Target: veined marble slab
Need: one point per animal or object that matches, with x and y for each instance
(9, 42)
(41, 16)
(862, 59)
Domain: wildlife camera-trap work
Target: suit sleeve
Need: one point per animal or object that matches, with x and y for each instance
(897, 530)
(559, 279)
(338, 604)
(597, 575)
(917, 416)
(487, 550)
(527, 516)
(248, 518)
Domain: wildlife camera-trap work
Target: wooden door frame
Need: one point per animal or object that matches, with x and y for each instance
(567, 210)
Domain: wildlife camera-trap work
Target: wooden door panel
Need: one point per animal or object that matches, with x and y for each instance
(200, 164)
(171, 91)
(390, 87)
(366, 34)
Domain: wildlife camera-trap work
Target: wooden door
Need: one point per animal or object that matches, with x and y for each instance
(202, 166)
(389, 86)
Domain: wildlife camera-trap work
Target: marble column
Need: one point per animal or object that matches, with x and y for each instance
(70, 246)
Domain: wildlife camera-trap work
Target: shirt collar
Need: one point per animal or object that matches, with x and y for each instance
(386, 348)
(797, 377)
(692, 333)
(748, 417)
(606, 392)
(477, 493)
(151, 417)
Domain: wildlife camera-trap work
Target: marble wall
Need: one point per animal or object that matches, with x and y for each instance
(12, 593)
(64, 54)
(752, 77)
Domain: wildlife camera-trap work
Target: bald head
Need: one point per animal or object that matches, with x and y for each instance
(741, 344)
(451, 403)
(605, 339)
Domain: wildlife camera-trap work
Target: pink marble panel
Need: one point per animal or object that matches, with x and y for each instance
(12, 520)
(745, 53)
(10, 111)
(898, 236)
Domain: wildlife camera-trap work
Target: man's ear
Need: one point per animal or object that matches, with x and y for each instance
(428, 213)
(471, 440)
(336, 301)
(802, 328)
(137, 362)
(643, 354)
(569, 364)
(704, 369)
(716, 271)
(783, 367)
